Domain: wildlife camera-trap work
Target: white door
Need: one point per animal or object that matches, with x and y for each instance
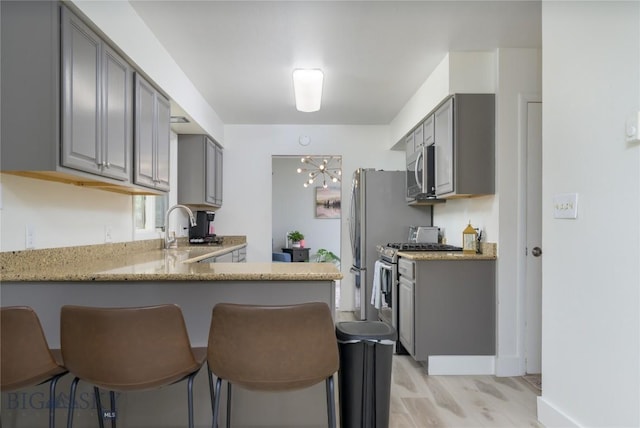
(533, 350)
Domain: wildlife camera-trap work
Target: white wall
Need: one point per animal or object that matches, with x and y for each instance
(63, 215)
(247, 177)
(591, 270)
(462, 72)
(294, 209)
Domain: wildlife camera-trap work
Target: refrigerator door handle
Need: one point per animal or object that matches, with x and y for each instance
(356, 270)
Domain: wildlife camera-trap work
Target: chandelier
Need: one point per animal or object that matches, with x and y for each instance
(329, 168)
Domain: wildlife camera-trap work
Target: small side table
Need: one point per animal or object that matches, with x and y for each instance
(297, 254)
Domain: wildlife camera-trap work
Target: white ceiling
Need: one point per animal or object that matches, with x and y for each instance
(375, 54)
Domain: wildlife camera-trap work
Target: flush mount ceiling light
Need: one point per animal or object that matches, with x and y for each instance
(307, 86)
(327, 167)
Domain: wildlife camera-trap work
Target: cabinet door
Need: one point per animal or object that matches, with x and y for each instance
(410, 148)
(418, 137)
(443, 133)
(219, 163)
(81, 50)
(162, 128)
(143, 169)
(152, 130)
(210, 172)
(406, 308)
(117, 116)
(428, 131)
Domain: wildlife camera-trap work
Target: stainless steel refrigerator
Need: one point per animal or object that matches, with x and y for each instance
(378, 215)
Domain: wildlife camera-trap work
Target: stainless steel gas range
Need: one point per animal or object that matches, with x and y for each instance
(386, 286)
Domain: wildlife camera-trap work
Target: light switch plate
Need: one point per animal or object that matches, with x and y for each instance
(632, 129)
(565, 205)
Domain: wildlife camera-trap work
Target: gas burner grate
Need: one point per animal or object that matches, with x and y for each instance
(423, 246)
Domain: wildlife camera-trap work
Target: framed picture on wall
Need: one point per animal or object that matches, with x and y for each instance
(328, 202)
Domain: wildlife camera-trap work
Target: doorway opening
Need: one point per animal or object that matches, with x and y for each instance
(314, 211)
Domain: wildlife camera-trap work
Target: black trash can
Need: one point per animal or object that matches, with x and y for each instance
(366, 350)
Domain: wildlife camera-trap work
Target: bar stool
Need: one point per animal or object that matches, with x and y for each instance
(25, 357)
(272, 348)
(127, 349)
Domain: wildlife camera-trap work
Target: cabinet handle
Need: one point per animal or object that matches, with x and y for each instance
(536, 251)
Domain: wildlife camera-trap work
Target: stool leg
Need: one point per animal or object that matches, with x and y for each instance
(211, 394)
(52, 400)
(114, 416)
(331, 404)
(216, 404)
(96, 393)
(72, 399)
(190, 398)
(228, 404)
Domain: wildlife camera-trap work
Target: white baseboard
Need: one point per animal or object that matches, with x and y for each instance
(509, 366)
(461, 365)
(550, 416)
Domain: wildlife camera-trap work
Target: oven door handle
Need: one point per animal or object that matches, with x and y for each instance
(385, 266)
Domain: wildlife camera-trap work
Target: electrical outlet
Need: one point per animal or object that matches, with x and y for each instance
(565, 205)
(107, 234)
(29, 242)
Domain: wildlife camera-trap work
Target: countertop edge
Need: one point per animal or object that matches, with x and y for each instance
(436, 255)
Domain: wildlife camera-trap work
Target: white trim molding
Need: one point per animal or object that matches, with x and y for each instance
(461, 365)
(550, 416)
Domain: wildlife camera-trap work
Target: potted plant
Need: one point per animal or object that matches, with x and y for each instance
(327, 256)
(295, 237)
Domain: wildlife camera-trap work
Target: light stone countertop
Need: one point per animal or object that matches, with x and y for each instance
(488, 252)
(442, 255)
(154, 264)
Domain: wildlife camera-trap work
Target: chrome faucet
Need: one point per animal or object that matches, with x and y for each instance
(168, 241)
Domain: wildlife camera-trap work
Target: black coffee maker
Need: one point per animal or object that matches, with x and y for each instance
(203, 232)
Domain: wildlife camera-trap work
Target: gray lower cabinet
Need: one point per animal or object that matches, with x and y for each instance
(406, 290)
(96, 103)
(464, 138)
(151, 141)
(200, 161)
(447, 307)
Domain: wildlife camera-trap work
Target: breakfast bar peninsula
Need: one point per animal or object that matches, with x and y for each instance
(131, 274)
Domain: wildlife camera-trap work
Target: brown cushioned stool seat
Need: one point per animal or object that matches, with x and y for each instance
(25, 357)
(127, 349)
(272, 348)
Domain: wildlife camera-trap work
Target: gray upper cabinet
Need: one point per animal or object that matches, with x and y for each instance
(464, 138)
(200, 161)
(418, 137)
(427, 126)
(67, 103)
(96, 103)
(151, 141)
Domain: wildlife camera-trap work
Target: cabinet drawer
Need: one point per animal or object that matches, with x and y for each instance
(407, 268)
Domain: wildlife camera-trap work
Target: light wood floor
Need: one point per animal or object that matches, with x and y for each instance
(419, 400)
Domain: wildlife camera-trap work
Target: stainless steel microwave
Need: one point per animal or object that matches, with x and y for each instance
(421, 174)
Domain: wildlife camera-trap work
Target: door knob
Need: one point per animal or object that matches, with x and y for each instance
(536, 251)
